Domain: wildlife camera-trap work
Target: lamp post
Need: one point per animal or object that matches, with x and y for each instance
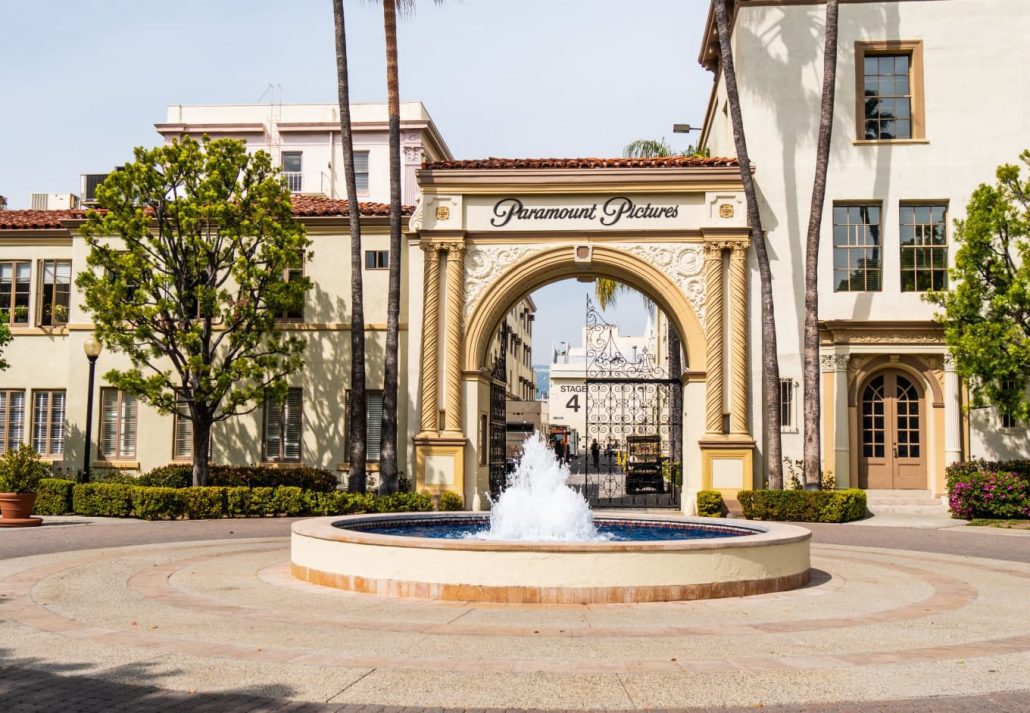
(92, 347)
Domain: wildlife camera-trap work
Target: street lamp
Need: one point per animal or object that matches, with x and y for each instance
(92, 347)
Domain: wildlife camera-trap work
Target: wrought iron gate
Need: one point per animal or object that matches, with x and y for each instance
(629, 454)
(499, 418)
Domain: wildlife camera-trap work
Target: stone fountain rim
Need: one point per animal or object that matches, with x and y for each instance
(765, 533)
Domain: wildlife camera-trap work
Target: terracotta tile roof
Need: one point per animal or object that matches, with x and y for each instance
(312, 206)
(303, 207)
(664, 162)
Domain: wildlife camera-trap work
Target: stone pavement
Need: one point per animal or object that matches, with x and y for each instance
(911, 620)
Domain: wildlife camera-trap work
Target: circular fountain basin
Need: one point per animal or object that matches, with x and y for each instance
(731, 558)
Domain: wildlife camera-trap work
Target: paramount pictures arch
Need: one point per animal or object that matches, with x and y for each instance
(487, 237)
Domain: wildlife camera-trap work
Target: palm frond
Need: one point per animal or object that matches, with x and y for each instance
(606, 291)
(647, 148)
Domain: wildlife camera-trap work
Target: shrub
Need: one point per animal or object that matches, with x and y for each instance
(21, 470)
(710, 504)
(404, 502)
(288, 500)
(803, 505)
(54, 496)
(151, 503)
(451, 501)
(250, 476)
(102, 499)
(203, 503)
(119, 477)
(977, 490)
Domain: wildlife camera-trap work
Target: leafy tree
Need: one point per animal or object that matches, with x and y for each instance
(5, 339)
(189, 256)
(357, 478)
(986, 315)
(770, 358)
(812, 400)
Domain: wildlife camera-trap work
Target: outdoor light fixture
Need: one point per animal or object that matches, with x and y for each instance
(92, 347)
(683, 128)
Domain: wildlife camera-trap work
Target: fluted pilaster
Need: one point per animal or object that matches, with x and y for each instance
(738, 339)
(430, 417)
(713, 338)
(454, 332)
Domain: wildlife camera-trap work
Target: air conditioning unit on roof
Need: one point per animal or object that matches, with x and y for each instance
(54, 201)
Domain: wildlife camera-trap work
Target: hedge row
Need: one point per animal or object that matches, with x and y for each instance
(710, 504)
(58, 497)
(989, 489)
(229, 476)
(803, 505)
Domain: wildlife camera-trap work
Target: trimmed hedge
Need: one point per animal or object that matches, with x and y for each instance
(54, 496)
(803, 505)
(710, 504)
(450, 501)
(989, 489)
(164, 503)
(247, 476)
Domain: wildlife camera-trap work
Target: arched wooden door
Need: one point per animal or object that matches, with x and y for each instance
(892, 433)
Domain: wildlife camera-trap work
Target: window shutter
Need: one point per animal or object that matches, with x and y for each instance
(183, 447)
(375, 424)
(128, 435)
(361, 170)
(273, 428)
(57, 416)
(108, 422)
(3, 420)
(292, 435)
(40, 420)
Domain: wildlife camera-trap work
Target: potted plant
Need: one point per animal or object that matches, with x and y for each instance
(20, 473)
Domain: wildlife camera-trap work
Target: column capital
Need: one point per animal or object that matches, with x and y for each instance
(429, 246)
(830, 363)
(713, 249)
(453, 248)
(949, 362)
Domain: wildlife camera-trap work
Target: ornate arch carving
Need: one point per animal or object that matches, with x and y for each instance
(540, 266)
(923, 372)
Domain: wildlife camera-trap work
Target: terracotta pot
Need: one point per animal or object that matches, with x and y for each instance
(16, 506)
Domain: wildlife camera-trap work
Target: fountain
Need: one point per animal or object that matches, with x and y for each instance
(542, 544)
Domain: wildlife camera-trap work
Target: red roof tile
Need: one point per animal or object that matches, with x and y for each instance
(304, 206)
(663, 162)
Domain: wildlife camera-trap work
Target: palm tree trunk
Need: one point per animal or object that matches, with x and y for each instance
(770, 361)
(813, 403)
(356, 415)
(388, 452)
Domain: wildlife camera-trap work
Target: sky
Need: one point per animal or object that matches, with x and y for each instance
(516, 78)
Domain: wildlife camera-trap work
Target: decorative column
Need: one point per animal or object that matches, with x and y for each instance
(713, 338)
(952, 413)
(738, 339)
(430, 417)
(841, 422)
(455, 329)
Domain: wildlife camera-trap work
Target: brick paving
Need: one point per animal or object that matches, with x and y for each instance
(209, 582)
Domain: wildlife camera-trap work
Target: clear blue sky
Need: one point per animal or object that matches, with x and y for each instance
(83, 82)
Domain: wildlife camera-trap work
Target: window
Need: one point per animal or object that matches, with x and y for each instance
(292, 170)
(373, 425)
(15, 291)
(12, 419)
(293, 313)
(48, 415)
(54, 292)
(377, 259)
(1006, 417)
(856, 248)
(788, 391)
(182, 438)
(361, 170)
(924, 248)
(889, 80)
(283, 428)
(117, 424)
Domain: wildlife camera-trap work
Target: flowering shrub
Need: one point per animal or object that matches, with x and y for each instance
(977, 490)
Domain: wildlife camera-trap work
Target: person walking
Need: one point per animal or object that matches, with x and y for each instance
(595, 453)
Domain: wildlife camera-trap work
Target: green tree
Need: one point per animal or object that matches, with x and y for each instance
(357, 478)
(189, 259)
(812, 400)
(5, 339)
(770, 358)
(986, 315)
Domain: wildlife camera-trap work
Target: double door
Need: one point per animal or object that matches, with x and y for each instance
(892, 428)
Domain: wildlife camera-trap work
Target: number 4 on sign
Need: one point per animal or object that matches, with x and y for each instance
(573, 403)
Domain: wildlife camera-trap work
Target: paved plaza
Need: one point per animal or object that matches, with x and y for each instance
(215, 621)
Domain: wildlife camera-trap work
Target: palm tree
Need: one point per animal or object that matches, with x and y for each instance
(356, 478)
(770, 360)
(388, 450)
(812, 407)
